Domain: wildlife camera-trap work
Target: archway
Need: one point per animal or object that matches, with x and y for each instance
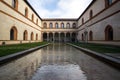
(56, 37)
(62, 37)
(36, 36)
(13, 33)
(32, 36)
(15, 4)
(25, 35)
(90, 35)
(68, 37)
(44, 36)
(108, 33)
(50, 37)
(73, 37)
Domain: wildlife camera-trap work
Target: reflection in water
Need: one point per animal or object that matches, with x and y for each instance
(21, 68)
(58, 64)
(58, 61)
(59, 72)
(57, 54)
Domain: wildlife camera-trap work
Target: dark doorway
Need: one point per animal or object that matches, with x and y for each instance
(109, 33)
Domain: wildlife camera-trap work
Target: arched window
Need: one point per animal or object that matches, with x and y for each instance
(25, 35)
(108, 2)
(32, 36)
(32, 17)
(68, 25)
(62, 25)
(45, 25)
(56, 25)
(108, 33)
(37, 21)
(82, 20)
(91, 14)
(26, 12)
(90, 35)
(36, 36)
(74, 25)
(51, 25)
(13, 33)
(15, 4)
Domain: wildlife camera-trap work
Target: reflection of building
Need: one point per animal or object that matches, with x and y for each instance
(19, 23)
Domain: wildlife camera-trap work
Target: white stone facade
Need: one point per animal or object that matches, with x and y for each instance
(102, 17)
(99, 22)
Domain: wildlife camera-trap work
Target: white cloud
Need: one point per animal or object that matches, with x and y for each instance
(65, 8)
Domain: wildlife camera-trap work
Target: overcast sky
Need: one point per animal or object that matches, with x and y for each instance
(59, 8)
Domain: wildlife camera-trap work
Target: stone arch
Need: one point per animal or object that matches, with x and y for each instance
(74, 25)
(13, 33)
(91, 14)
(68, 37)
(25, 35)
(90, 35)
(51, 36)
(68, 25)
(32, 36)
(73, 37)
(62, 25)
(56, 25)
(107, 3)
(37, 21)
(108, 33)
(56, 37)
(15, 4)
(45, 36)
(50, 25)
(26, 12)
(36, 36)
(82, 20)
(44, 25)
(62, 35)
(32, 17)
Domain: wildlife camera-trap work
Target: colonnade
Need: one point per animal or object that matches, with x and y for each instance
(59, 36)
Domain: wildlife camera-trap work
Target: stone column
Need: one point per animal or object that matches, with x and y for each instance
(71, 37)
(59, 36)
(41, 39)
(47, 36)
(53, 36)
(65, 37)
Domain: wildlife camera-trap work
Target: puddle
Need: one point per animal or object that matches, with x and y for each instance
(59, 72)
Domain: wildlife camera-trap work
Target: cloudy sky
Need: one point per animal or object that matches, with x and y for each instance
(59, 8)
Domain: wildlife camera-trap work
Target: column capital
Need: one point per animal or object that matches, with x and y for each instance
(53, 32)
(48, 32)
(65, 32)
